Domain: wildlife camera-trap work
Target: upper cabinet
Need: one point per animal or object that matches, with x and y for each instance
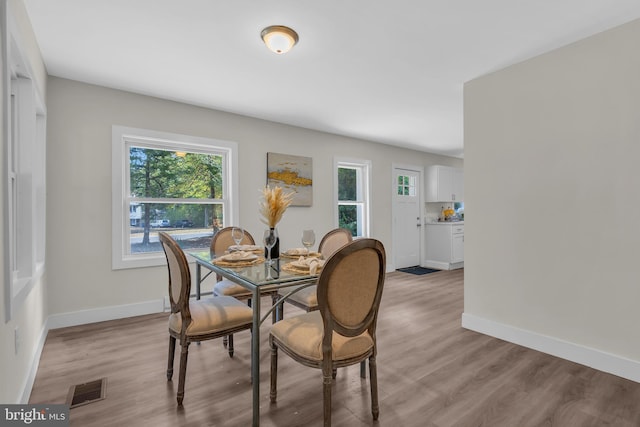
(445, 184)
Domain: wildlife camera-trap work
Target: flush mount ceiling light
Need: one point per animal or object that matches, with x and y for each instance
(279, 39)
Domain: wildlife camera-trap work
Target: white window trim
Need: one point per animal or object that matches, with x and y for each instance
(365, 167)
(24, 175)
(121, 136)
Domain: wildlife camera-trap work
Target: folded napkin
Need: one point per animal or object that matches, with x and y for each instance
(247, 248)
(297, 251)
(238, 256)
(313, 264)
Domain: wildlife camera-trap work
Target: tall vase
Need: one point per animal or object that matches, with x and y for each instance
(275, 250)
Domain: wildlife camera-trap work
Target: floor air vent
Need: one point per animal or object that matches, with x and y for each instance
(82, 394)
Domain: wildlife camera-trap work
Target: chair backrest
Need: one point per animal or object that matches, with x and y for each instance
(334, 240)
(222, 240)
(179, 277)
(350, 288)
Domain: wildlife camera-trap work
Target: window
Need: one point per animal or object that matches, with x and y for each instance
(24, 130)
(165, 182)
(406, 185)
(352, 195)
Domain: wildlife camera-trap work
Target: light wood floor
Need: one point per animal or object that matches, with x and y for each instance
(431, 372)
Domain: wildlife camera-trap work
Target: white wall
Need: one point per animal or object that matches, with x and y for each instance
(17, 369)
(552, 195)
(80, 117)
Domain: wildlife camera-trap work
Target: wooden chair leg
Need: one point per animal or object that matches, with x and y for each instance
(172, 353)
(274, 371)
(225, 339)
(230, 345)
(373, 379)
(183, 371)
(327, 377)
(229, 338)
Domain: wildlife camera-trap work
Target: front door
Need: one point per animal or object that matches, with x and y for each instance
(407, 221)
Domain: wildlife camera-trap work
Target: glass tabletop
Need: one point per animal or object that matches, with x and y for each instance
(261, 275)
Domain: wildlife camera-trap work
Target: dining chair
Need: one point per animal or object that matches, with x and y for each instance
(306, 298)
(342, 331)
(219, 245)
(195, 321)
(225, 287)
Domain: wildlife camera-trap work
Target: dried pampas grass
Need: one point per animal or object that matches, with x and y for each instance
(273, 204)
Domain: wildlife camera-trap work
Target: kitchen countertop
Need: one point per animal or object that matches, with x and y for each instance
(446, 223)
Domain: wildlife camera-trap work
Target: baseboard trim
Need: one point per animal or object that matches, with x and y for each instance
(102, 314)
(593, 358)
(439, 265)
(35, 363)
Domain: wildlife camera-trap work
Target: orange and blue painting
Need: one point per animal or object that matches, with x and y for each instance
(293, 174)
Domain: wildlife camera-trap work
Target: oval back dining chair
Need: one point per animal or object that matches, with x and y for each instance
(334, 240)
(225, 287)
(195, 321)
(219, 245)
(342, 331)
(307, 298)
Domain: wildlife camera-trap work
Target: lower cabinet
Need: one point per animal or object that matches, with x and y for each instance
(445, 246)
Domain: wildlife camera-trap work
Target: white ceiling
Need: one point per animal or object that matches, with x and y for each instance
(381, 70)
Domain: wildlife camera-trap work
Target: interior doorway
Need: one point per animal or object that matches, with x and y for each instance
(407, 216)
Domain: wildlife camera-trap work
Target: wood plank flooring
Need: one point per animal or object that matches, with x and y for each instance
(431, 372)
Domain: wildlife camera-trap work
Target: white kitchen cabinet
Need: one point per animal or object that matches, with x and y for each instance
(445, 184)
(458, 185)
(457, 248)
(445, 245)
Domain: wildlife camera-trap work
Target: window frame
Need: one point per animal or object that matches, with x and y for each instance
(122, 138)
(23, 170)
(363, 174)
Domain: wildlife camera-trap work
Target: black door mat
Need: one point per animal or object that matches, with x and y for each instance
(82, 394)
(416, 269)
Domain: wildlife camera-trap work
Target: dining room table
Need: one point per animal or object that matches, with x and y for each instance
(259, 277)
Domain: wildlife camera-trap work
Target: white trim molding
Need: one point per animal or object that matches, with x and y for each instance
(23, 179)
(123, 138)
(364, 172)
(102, 314)
(27, 386)
(593, 358)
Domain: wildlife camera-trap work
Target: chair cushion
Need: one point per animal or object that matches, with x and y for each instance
(229, 288)
(307, 296)
(303, 335)
(212, 315)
